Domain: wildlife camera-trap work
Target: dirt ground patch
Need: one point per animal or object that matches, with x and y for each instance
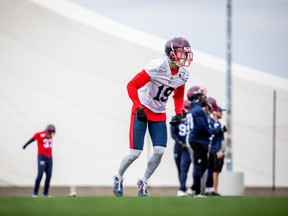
(129, 191)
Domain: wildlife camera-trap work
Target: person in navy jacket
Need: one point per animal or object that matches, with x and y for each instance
(199, 137)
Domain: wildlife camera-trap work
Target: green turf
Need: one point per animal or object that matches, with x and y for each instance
(134, 206)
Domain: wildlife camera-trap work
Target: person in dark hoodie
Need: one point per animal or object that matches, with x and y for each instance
(199, 137)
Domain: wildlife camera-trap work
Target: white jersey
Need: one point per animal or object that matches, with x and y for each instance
(154, 94)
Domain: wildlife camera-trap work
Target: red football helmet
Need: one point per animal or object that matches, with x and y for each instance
(211, 102)
(178, 50)
(50, 129)
(195, 93)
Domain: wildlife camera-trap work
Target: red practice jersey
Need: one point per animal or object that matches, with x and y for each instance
(44, 143)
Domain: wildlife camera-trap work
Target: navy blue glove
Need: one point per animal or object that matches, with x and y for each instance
(176, 120)
(141, 115)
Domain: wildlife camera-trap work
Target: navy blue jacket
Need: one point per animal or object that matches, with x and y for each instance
(201, 130)
(218, 136)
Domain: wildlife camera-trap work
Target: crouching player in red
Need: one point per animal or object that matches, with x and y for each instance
(44, 140)
(149, 91)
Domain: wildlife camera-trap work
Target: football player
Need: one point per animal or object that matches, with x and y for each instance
(149, 91)
(45, 163)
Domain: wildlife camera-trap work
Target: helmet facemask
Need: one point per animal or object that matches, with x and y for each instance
(183, 57)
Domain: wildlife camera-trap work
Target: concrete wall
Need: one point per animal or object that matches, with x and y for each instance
(62, 64)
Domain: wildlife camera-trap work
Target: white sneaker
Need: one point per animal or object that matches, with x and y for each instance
(190, 192)
(72, 194)
(181, 193)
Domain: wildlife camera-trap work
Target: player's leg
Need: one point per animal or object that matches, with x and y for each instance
(136, 139)
(158, 133)
(199, 165)
(215, 185)
(217, 170)
(41, 168)
(184, 168)
(48, 171)
(209, 182)
(177, 158)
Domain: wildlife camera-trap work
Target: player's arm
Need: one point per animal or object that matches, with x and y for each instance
(179, 99)
(214, 130)
(174, 131)
(204, 125)
(136, 83)
(28, 142)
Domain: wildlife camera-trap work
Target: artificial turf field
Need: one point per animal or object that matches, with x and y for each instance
(160, 206)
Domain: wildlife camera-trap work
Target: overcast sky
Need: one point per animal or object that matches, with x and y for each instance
(259, 27)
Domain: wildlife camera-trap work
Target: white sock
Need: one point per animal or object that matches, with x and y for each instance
(209, 190)
(153, 162)
(127, 161)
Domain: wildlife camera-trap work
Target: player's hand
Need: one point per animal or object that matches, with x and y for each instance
(141, 115)
(176, 120)
(220, 155)
(224, 129)
(182, 144)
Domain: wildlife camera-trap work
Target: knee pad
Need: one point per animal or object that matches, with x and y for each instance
(158, 150)
(134, 154)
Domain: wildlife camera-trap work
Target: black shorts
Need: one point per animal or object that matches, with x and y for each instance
(200, 153)
(216, 163)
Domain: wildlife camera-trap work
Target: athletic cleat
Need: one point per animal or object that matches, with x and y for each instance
(34, 195)
(142, 188)
(118, 186)
(213, 193)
